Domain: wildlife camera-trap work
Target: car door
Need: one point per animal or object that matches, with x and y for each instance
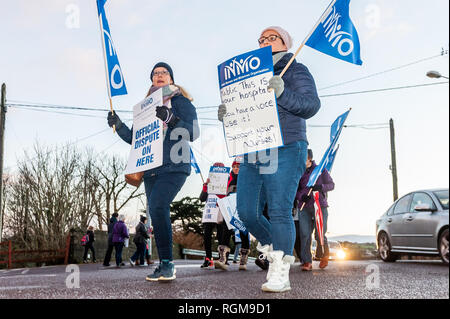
(395, 222)
(420, 226)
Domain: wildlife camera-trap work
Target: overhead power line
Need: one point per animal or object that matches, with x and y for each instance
(385, 71)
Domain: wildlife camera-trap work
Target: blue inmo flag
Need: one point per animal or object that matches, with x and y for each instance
(330, 164)
(116, 82)
(194, 164)
(336, 130)
(336, 35)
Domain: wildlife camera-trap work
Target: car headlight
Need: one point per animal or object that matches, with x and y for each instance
(341, 254)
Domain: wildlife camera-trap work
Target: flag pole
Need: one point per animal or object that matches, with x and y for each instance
(326, 13)
(106, 67)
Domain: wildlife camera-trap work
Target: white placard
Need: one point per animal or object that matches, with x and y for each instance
(211, 211)
(148, 137)
(251, 123)
(218, 177)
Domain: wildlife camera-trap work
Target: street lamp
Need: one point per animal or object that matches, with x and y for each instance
(436, 75)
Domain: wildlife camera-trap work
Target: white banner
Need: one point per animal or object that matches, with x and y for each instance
(218, 177)
(148, 138)
(230, 214)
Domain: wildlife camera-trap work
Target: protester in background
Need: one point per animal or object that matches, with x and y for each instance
(208, 228)
(297, 245)
(109, 251)
(297, 100)
(89, 245)
(140, 240)
(120, 233)
(148, 256)
(224, 241)
(162, 184)
(307, 218)
(237, 245)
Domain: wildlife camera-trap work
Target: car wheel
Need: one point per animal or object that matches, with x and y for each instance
(384, 249)
(443, 246)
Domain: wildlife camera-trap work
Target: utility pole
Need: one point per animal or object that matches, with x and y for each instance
(394, 160)
(2, 133)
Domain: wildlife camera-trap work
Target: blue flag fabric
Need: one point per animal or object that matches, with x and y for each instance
(194, 164)
(338, 125)
(336, 35)
(329, 166)
(115, 76)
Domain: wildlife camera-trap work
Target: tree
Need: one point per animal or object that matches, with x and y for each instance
(186, 214)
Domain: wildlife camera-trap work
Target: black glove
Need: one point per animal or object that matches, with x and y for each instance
(306, 198)
(166, 115)
(317, 188)
(113, 119)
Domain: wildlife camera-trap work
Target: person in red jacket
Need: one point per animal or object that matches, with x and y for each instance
(208, 227)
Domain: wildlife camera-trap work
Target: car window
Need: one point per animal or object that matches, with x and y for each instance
(421, 199)
(390, 211)
(443, 198)
(402, 205)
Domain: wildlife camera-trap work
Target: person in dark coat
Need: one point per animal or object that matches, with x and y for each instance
(307, 218)
(140, 240)
(120, 233)
(208, 228)
(297, 101)
(109, 251)
(162, 184)
(89, 245)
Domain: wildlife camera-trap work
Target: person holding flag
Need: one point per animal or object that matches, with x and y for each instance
(163, 183)
(307, 216)
(297, 101)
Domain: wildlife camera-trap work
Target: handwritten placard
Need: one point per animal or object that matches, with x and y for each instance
(252, 122)
(147, 145)
(218, 177)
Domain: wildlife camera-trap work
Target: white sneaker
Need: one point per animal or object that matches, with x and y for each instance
(279, 267)
(132, 263)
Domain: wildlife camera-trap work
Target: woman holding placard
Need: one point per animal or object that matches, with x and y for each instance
(162, 184)
(297, 100)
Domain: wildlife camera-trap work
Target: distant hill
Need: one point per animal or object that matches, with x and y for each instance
(360, 239)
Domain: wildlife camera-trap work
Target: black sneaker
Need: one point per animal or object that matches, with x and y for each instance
(207, 264)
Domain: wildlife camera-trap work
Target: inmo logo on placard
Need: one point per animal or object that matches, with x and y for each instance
(146, 103)
(341, 39)
(242, 66)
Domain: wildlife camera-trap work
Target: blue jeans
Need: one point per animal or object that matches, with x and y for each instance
(278, 189)
(307, 221)
(161, 191)
(118, 247)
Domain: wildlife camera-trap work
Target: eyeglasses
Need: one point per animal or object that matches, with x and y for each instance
(157, 73)
(271, 38)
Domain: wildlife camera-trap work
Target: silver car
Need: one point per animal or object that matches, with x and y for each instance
(416, 224)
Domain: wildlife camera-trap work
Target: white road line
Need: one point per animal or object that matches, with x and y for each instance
(25, 276)
(188, 266)
(25, 271)
(24, 287)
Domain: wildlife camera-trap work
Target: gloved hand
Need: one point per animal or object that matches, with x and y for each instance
(277, 84)
(306, 198)
(166, 115)
(222, 112)
(318, 188)
(113, 119)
